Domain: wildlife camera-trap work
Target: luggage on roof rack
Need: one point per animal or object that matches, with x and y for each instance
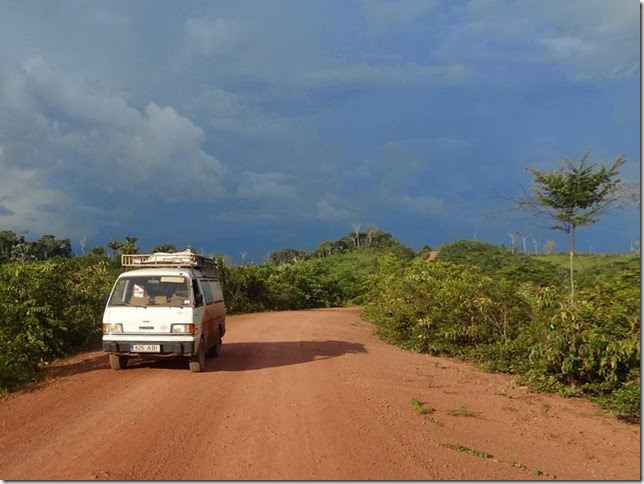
(171, 259)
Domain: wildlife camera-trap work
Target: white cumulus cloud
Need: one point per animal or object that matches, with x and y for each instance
(66, 143)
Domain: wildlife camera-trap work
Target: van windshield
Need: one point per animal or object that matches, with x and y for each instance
(151, 291)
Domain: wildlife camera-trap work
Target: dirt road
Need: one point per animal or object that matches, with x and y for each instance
(304, 395)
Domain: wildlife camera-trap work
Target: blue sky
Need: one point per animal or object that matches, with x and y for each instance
(257, 125)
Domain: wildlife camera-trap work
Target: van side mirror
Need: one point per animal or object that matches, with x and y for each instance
(199, 300)
(106, 296)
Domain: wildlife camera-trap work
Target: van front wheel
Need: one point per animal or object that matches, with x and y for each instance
(117, 362)
(198, 362)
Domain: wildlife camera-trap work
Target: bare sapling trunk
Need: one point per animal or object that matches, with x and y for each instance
(572, 255)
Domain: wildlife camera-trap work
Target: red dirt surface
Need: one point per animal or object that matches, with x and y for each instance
(303, 395)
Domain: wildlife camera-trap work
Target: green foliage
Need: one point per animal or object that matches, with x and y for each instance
(318, 282)
(49, 247)
(497, 261)
(127, 247)
(421, 408)
(8, 239)
(17, 249)
(440, 307)
(373, 240)
(588, 267)
(130, 247)
(574, 194)
(47, 310)
(463, 411)
(589, 348)
(593, 346)
(164, 248)
(287, 256)
(98, 250)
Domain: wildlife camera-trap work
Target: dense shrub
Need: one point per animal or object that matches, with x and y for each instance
(593, 346)
(331, 281)
(446, 308)
(48, 309)
(497, 261)
(590, 348)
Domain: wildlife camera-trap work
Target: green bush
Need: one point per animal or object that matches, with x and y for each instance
(445, 308)
(497, 261)
(48, 309)
(591, 348)
(331, 281)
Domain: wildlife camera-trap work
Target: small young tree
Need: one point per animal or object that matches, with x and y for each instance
(574, 195)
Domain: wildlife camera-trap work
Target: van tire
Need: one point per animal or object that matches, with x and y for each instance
(198, 362)
(118, 362)
(215, 350)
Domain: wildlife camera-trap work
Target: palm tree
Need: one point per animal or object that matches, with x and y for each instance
(115, 246)
(130, 246)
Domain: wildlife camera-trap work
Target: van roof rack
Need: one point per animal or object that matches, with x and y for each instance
(171, 259)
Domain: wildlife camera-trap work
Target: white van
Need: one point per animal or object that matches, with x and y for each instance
(170, 305)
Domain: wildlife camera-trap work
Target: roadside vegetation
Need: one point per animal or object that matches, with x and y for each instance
(506, 312)
(511, 316)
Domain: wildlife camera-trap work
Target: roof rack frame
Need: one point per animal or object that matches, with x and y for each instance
(174, 259)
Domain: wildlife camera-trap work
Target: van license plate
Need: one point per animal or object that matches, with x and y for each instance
(146, 348)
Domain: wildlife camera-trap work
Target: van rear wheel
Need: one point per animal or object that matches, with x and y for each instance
(198, 362)
(117, 362)
(215, 350)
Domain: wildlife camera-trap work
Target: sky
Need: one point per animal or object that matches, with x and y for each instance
(251, 126)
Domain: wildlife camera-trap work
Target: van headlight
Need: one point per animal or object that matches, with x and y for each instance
(183, 328)
(112, 327)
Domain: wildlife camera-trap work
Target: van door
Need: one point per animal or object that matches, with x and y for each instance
(198, 312)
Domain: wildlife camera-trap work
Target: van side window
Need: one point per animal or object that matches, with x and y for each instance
(217, 293)
(195, 290)
(207, 293)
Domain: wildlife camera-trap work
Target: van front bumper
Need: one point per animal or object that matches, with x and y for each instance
(168, 348)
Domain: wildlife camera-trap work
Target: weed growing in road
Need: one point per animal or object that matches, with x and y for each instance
(535, 472)
(503, 391)
(434, 420)
(463, 411)
(421, 408)
(426, 410)
(468, 450)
